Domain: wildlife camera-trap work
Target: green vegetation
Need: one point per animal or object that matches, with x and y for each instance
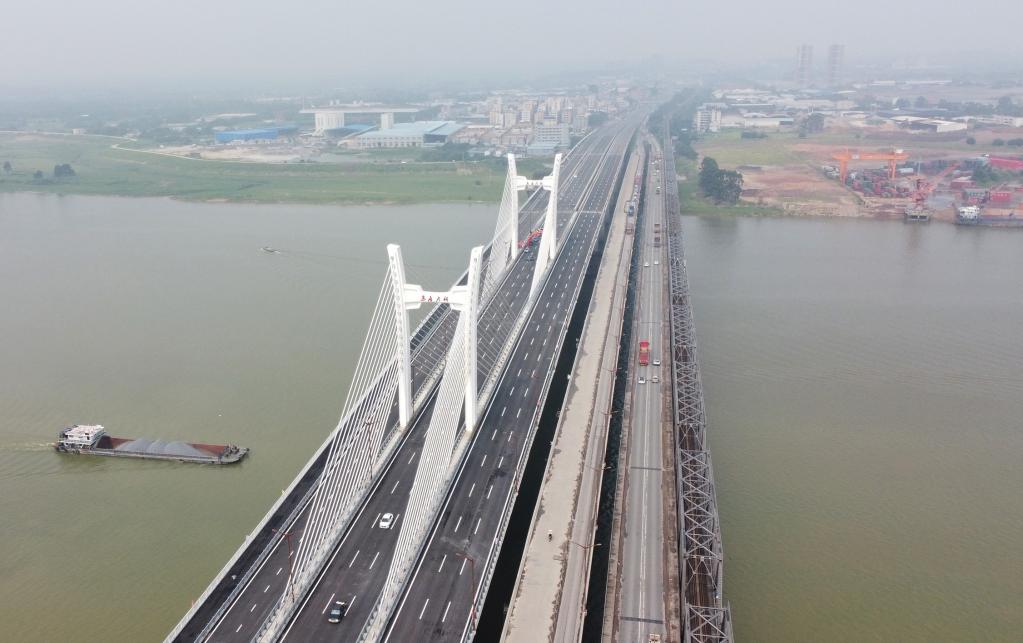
(692, 202)
(109, 166)
(731, 150)
(724, 186)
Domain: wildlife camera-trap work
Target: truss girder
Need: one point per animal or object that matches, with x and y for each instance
(708, 618)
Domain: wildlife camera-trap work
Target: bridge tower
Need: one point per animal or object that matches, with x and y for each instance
(549, 240)
(464, 299)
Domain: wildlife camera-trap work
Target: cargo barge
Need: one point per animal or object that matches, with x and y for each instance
(93, 440)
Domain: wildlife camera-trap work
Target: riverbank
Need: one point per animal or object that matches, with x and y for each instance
(109, 167)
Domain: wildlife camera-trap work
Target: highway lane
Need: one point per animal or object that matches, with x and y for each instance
(437, 605)
(249, 609)
(642, 605)
(366, 542)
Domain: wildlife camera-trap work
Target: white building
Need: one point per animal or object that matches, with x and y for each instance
(552, 135)
(707, 120)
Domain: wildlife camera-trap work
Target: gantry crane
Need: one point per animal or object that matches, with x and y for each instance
(893, 157)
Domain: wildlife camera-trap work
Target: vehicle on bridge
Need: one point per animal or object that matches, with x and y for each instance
(337, 612)
(644, 352)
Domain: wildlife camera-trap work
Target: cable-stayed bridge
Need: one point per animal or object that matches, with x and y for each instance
(435, 431)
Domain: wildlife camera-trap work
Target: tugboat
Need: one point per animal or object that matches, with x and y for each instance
(92, 439)
(270, 250)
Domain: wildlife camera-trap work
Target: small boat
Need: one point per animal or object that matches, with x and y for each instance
(271, 250)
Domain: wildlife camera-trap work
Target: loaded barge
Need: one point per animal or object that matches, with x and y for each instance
(93, 440)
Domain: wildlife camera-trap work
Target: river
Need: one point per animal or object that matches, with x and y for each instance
(161, 318)
(863, 379)
(864, 389)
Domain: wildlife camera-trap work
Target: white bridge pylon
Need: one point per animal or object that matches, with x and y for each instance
(549, 239)
(505, 248)
(465, 299)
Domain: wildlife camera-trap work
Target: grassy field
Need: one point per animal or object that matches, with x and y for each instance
(103, 169)
(729, 150)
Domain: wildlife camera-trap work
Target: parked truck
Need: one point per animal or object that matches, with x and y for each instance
(644, 352)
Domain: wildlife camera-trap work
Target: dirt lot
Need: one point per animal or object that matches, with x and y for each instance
(784, 171)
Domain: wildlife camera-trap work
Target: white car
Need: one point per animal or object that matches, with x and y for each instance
(386, 521)
(657, 362)
(655, 379)
(642, 380)
(657, 263)
(646, 265)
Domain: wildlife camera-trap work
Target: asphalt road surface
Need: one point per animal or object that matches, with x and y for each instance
(437, 604)
(642, 607)
(355, 571)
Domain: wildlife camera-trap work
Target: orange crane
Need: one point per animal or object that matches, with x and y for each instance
(893, 157)
(924, 187)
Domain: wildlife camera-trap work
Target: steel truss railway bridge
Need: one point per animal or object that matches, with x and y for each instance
(435, 430)
(706, 618)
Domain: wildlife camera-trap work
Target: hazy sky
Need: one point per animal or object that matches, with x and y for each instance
(121, 42)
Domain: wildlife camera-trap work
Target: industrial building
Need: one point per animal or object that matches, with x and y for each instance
(255, 135)
(414, 134)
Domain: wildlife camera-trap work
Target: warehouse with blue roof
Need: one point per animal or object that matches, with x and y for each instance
(253, 135)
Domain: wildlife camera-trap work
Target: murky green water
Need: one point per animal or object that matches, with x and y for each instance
(164, 319)
(864, 385)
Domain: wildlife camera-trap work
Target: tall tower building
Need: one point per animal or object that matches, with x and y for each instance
(836, 58)
(804, 64)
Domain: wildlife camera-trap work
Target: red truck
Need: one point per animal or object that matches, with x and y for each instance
(644, 352)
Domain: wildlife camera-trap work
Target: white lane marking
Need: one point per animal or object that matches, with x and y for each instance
(329, 601)
(531, 340)
(376, 521)
(478, 521)
(538, 357)
(500, 462)
(354, 557)
(519, 374)
(374, 561)
(395, 486)
(238, 630)
(519, 412)
(458, 524)
(252, 609)
(503, 410)
(526, 392)
(471, 489)
(445, 617)
(491, 488)
(494, 435)
(442, 563)
(512, 391)
(267, 589)
(424, 609)
(483, 460)
(278, 571)
(395, 521)
(462, 568)
(510, 434)
(351, 602)
(411, 458)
